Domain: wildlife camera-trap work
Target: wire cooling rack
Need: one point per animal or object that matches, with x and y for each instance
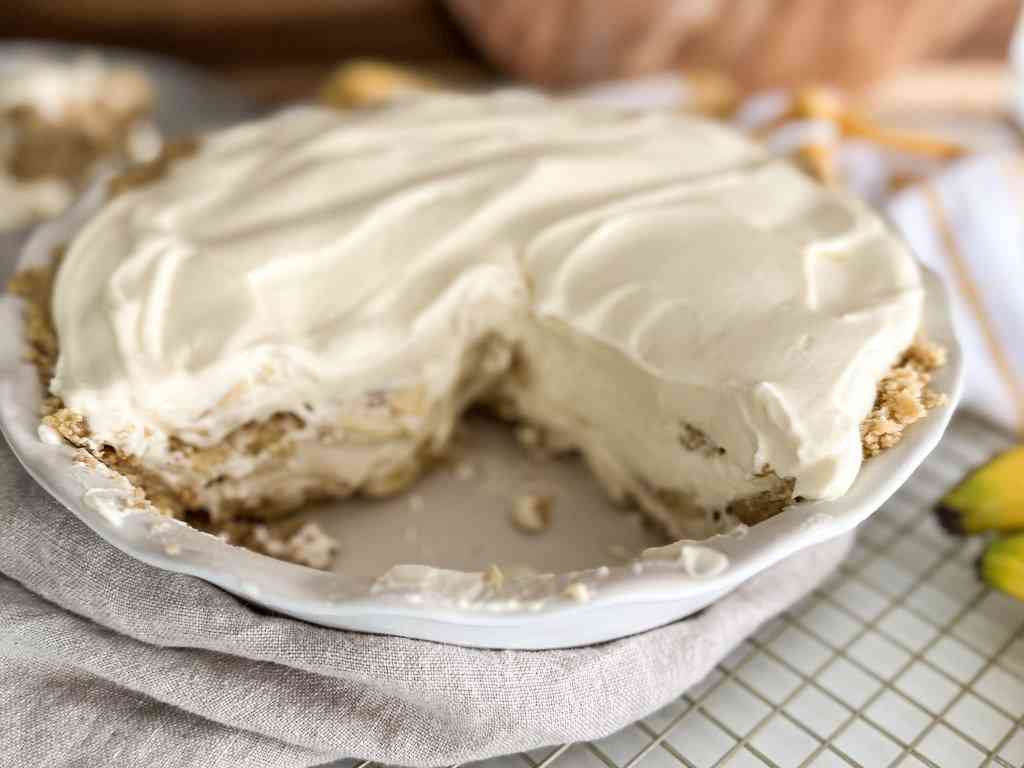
(903, 658)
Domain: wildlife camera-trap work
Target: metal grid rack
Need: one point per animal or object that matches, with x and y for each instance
(903, 658)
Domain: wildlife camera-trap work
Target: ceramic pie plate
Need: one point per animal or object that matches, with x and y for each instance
(416, 565)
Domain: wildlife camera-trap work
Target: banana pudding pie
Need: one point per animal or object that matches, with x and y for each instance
(304, 306)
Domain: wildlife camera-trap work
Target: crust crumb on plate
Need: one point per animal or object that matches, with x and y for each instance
(532, 513)
(494, 577)
(578, 592)
(308, 545)
(297, 541)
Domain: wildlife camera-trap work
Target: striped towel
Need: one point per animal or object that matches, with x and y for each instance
(967, 224)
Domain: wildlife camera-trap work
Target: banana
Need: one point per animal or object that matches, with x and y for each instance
(370, 83)
(991, 498)
(1002, 565)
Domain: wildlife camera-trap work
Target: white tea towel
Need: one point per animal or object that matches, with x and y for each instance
(967, 224)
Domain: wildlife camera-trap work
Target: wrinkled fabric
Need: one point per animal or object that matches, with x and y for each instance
(104, 656)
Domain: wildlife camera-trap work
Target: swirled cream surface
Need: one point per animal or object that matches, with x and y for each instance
(628, 280)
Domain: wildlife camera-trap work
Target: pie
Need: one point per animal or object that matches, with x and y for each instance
(303, 307)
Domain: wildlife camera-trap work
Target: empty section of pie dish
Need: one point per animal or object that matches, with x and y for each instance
(703, 323)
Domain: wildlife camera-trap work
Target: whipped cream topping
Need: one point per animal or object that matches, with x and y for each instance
(654, 270)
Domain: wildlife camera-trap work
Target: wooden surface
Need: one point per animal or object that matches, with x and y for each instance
(281, 49)
(271, 50)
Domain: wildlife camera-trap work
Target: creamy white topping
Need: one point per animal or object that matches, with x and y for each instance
(654, 271)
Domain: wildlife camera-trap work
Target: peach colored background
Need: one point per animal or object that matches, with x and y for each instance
(281, 48)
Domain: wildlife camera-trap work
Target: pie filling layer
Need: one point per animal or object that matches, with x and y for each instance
(304, 306)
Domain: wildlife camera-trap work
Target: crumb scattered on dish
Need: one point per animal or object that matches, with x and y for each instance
(533, 512)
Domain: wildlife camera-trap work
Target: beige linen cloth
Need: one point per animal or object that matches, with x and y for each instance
(107, 661)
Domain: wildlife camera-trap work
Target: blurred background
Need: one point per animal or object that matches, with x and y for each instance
(281, 49)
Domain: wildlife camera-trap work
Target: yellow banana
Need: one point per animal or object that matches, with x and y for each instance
(369, 83)
(1002, 565)
(989, 499)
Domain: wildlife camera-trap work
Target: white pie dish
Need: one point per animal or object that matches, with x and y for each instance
(539, 611)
